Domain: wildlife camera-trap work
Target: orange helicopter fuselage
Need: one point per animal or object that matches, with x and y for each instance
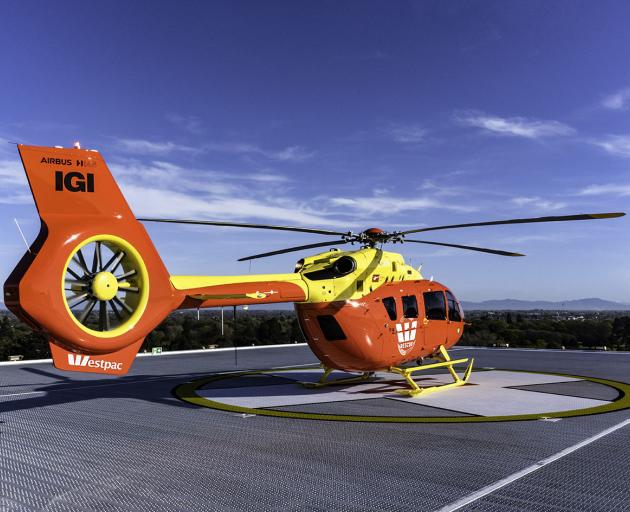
(383, 328)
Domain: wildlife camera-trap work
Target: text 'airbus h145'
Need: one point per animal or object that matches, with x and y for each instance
(95, 284)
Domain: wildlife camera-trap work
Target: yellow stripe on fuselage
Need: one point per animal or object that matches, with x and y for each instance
(183, 283)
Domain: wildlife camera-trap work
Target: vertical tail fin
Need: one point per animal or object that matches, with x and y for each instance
(93, 280)
(72, 182)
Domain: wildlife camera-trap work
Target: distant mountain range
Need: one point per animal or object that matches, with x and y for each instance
(567, 305)
(593, 304)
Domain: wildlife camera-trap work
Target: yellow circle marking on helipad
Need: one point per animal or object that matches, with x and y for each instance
(188, 392)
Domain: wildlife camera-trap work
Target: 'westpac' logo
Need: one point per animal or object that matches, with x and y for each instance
(78, 360)
(83, 360)
(406, 332)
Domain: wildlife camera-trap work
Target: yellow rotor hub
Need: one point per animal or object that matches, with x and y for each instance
(105, 286)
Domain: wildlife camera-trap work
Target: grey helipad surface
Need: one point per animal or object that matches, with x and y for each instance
(86, 442)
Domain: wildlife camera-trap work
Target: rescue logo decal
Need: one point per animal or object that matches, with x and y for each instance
(406, 332)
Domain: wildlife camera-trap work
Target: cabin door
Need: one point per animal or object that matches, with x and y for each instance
(455, 319)
(410, 329)
(435, 320)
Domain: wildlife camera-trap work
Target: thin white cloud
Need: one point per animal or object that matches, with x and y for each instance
(407, 134)
(288, 154)
(237, 148)
(442, 190)
(267, 177)
(166, 203)
(381, 191)
(421, 254)
(164, 148)
(529, 238)
(13, 184)
(11, 173)
(147, 147)
(614, 144)
(515, 126)
(164, 175)
(7, 147)
(191, 124)
(382, 204)
(16, 199)
(538, 203)
(619, 100)
(161, 189)
(612, 189)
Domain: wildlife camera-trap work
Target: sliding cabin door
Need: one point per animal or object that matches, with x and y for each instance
(435, 319)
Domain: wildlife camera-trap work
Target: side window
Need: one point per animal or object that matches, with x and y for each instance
(390, 306)
(331, 328)
(435, 306)
(454, 312)
(410, 306)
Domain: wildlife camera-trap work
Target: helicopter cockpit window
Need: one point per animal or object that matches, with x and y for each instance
(390, 307)
(331, 328)
(410, 306)
(454, 312)
(434, 305)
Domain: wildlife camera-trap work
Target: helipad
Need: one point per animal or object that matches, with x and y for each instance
(491, 395)
(73, 442)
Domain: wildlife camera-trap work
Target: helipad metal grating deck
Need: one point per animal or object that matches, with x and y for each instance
(76, 442)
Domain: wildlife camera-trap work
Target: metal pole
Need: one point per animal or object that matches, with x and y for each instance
(234, 338)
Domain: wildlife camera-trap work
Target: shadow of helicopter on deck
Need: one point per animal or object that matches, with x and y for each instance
(63, 390)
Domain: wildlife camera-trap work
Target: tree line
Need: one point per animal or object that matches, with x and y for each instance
(179, 331)
(585, 330)
(184, 331)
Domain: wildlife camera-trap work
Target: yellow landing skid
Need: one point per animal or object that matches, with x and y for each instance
(446, 362)
(322, 382)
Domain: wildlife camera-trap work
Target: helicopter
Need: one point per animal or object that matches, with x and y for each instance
(95, 285)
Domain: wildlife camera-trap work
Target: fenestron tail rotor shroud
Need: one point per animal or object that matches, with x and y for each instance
(103, 277)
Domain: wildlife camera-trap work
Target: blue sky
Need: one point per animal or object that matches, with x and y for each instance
(341, 115)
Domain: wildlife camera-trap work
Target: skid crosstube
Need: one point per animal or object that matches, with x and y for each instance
(445, 361)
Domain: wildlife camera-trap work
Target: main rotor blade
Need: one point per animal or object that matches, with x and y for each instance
(468, 247)
(293, 249)
(561, 218)
(243, 225)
